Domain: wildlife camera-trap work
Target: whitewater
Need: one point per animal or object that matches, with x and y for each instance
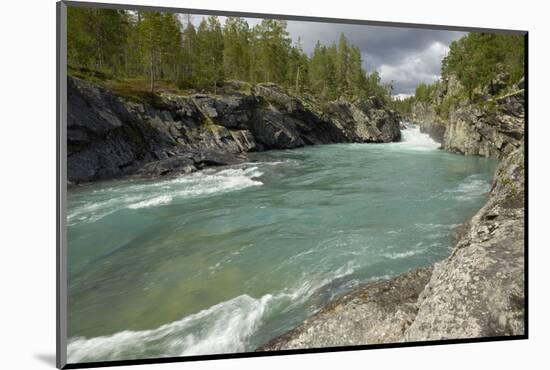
(225, 259)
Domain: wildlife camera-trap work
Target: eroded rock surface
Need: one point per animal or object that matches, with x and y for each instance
(111, 136)
(490, 132)
(377, 312)
(491, 127)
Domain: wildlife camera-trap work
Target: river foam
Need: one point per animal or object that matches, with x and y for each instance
(222, 328)
(413, 139)
(147, 194)
(203, 271)
(473, 186)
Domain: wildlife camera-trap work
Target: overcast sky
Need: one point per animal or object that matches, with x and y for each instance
(404, 56)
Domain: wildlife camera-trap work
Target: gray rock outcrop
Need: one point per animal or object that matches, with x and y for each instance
(111, 136)
(494, 131)
(424, 115)
(491, 127)
(378, 312)
(479, 290)
(476, 292)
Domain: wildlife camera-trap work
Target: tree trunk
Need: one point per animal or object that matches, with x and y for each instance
(152, 74)
(297, 79)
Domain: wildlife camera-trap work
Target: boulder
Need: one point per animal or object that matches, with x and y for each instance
(179, 164)
(499, 83)
(361, 122)
(273, 130)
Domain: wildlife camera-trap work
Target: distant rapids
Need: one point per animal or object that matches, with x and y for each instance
(225, 259)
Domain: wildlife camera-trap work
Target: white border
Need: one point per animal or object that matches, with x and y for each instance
(28, 181)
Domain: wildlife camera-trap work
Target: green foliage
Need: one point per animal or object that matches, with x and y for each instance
(336, 71)
(444, 108)
(403, 106)
(478, 58)
(169, 52)
(374, 87)
(476, 61)
(236, 50)
(209, 51)
(96, 38)
(322, 71)
(424, 92)
(270, 51)
(188, 55)
(298, 68)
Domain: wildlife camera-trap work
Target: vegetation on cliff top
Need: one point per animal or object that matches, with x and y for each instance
(477, 59)
(153, 51)
(477, 66)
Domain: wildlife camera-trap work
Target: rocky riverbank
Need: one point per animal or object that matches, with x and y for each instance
(476, 292)
(492, 126)
(112, 135)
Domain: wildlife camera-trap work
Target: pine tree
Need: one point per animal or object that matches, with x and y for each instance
(96, 37)
(236, 51)
(357, 75)
(343, 65)
(477, 58)
(272, 46)
(297, 71)
(165, 46)
(150, 29)
(189, 52)
(209, 72)
(171, 46)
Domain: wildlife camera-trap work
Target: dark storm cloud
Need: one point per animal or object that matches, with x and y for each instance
(404, 56)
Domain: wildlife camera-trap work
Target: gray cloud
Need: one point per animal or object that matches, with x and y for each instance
(404, 57)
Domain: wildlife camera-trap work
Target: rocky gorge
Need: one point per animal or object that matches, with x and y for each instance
(110, 135)
(476, 292)
(479, 290)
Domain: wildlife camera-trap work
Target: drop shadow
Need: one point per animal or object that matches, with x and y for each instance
(47, 358)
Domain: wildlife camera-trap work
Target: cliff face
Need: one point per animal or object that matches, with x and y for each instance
(492, 127)
(111, 136)
(477, 292)
(424, 115)
(490, 132)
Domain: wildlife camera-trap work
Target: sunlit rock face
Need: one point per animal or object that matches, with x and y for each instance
(493, 126)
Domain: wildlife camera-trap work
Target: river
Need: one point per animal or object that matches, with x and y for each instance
(225, 259)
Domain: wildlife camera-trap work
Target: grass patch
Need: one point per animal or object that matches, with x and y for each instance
(133, 89)
(90, 75)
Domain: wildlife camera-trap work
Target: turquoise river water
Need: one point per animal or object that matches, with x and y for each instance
(225, 259)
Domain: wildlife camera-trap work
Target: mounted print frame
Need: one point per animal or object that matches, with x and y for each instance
(236, 184)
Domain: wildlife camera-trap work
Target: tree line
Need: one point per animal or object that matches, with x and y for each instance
(167, 46)
(475, 60)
